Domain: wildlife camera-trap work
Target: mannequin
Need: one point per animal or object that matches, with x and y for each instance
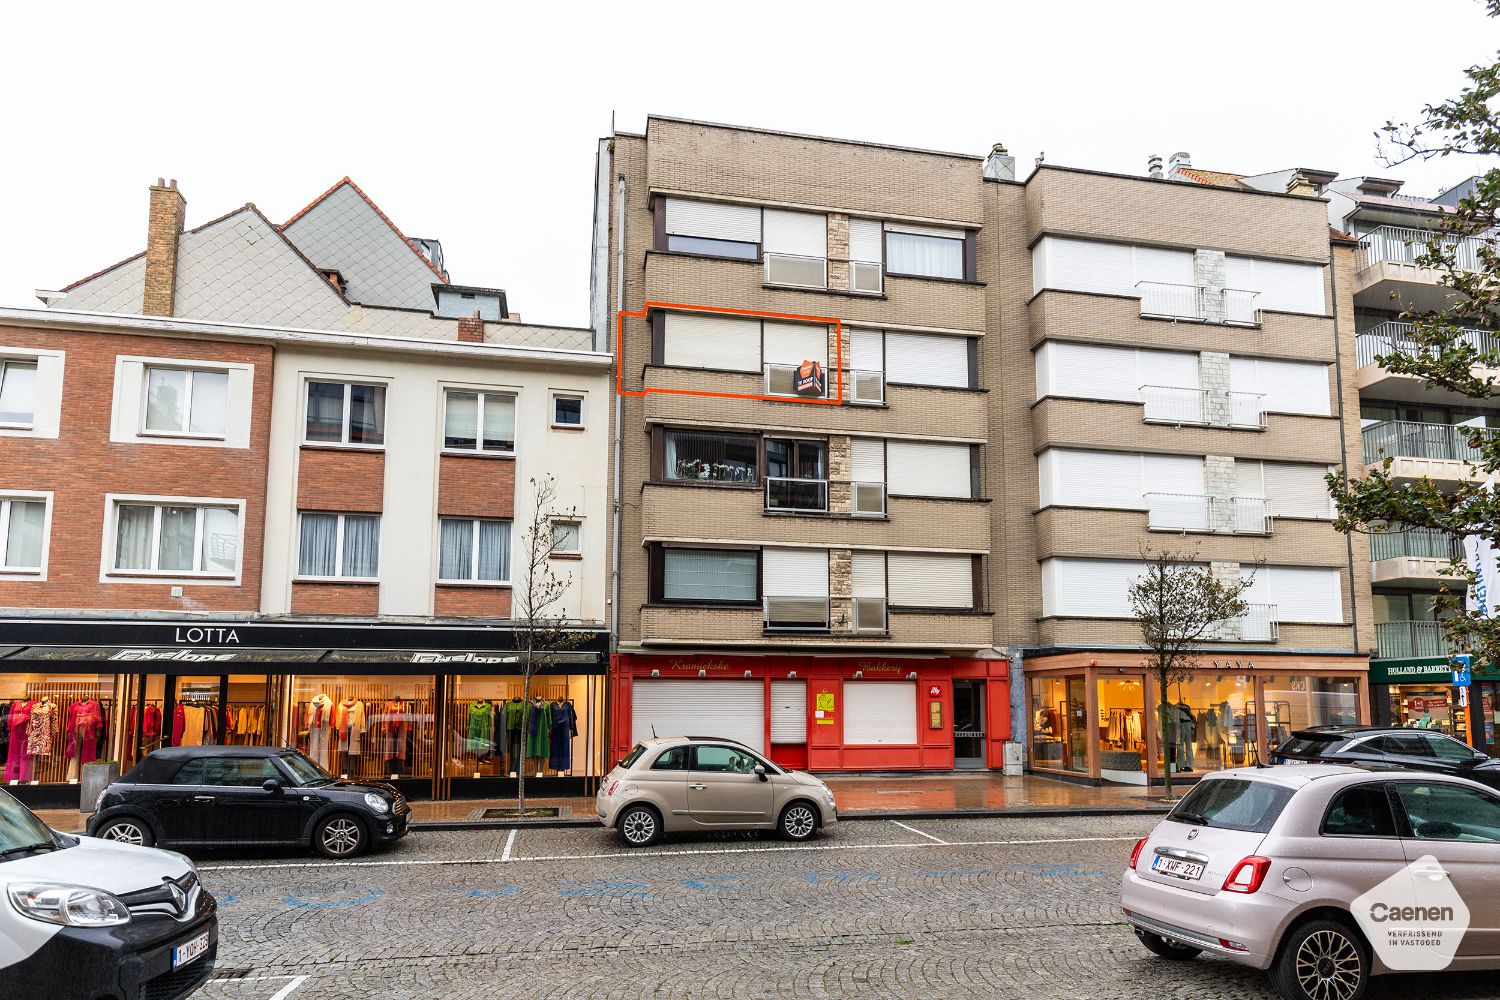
(319, 725)
(564, 728)
(1187, 728)
(18, 764)
(539, 735)
(513, 714)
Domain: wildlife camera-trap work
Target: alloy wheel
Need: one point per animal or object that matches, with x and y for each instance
(639, 826)
(342, 836)
(1328, 966)
(799, 822)
(125, 833)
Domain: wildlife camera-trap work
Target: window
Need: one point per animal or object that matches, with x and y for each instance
(235, 772)
(480, 421)
(796, 475)
(474, 550)
(176, 539)
(339, 546)
(344, 413)
(672, 759)
(186, 401)
(1233, 804)
(711, 458)
(23, 535)
(567, 411)
(724, 760)
(928, 253)
(1361, 811)
(565, 538)
(17, 393)
(717, 230)
(1449, 749)
(1400, 744)
(719, 575)
(1438, 811)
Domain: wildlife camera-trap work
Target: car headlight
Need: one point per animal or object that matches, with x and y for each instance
(69, 905)
(377, 803)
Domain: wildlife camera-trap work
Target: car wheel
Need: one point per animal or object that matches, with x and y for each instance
(340, 836)
(1321, 960)
(799, 821)
(1167, 948)
(639, 826)
(127, 830)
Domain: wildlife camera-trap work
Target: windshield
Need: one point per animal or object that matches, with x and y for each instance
(19, 828)
(1312, 746)
(304, 771)
(1232, 804)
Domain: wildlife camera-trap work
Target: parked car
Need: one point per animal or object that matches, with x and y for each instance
(704, 783)
(105, 921)
(1262, 866)
(208, 796)
(1388, 747)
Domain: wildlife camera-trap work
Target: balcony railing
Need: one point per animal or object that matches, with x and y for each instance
(1401, 245)
(1395, 337)
(796, 270)
(781, 379)
(1406, 640)
(796, 614)
(1257, 624)
(1219, 515)
(1209, 407)
(1410, 439)
(1232, 306)
(1415, 543)
(784, 493)
(869, 614)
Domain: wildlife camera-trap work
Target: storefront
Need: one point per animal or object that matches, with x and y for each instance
(1098, 717)
(435, 709)
(1419, 693)
(821, 713)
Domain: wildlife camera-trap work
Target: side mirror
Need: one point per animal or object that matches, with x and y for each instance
(271, 785)
(760, 772)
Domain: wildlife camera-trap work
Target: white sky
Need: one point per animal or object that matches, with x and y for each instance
(476, 124)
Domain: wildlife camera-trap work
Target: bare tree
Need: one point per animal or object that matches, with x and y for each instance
(1180, 604)
(537, 613)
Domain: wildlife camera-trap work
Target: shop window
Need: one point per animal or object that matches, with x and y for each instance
(1059, 731)
(482, 422)
(186, 401)
(345, 413)
(485, 714)
(1123, 723)
(366, 727)
(55, 723)
(176, 539)
(334, 546)
(1294, 702)
(1209, 723)
(473, 550)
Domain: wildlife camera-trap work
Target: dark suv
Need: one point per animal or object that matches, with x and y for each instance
(208, 796)
(1389, 747)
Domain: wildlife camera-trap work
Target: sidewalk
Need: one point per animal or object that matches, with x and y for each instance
(859, 796)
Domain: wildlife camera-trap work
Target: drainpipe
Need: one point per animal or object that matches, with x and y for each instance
(1338, 372)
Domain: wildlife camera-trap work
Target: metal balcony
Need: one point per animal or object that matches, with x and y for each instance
(1409, 640)
(1396, 337)
(1414, 543)
(1257, 624)
(1166, 404)
(1198, 303)
(1402, 245)
(1216, 515)
(1410, 439)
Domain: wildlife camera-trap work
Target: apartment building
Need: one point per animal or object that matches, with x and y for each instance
(269, 483)
(1032, 381)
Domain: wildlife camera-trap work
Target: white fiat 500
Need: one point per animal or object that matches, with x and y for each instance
(90, 918)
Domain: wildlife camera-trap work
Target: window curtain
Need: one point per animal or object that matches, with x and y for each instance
(712, 457)
(367, 414)
(494, 550)
(456, 544)
(179, 528)
(17, 392)
(221, 539)
(929, 256)
(210, 403)
(318, 547)
(166, 399)
(133, 536)
(325, 411)
(461, 420)
(499, 423)
(361, 546)
(708, 575)
(23, 549)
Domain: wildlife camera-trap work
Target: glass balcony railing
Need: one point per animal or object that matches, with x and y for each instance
(1395, 337)
(1410, 439)
(1417, 543)
(794, 614)
(1401, 245)
(1407, 640)
(786, 494)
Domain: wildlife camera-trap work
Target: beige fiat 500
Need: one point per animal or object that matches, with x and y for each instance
(700, 783)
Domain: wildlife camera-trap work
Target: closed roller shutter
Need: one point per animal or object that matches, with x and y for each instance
(695, 340)
(880, 713)
(931, 581)
(1297, 490)
(789, 711)
(800, 233)
(1284, 386)
(1084, 266)
(711, 220)
(794, 343)
(866, 351)
(869, 574)
(867, 460)
(1283, 286)
(1170, 267)
(795, 572)
(734, 710)
(1088, 588)
(925, 359)
(1249, 480)
(1085, 371)
(864, 240)
(1300, 593)
(1175, 369)
(1071, 478)
(928, 470)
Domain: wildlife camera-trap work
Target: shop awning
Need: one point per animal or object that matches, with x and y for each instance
(156, 659)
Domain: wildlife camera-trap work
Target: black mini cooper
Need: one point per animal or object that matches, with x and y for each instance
(208, 796)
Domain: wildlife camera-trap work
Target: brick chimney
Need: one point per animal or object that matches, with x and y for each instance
(164, 226)
(471, 329)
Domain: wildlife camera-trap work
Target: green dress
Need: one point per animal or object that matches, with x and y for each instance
(539, 739)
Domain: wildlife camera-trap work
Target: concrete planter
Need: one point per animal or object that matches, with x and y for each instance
(97, 776)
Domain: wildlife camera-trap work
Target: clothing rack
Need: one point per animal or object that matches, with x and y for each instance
(370, 762)
(57, 766)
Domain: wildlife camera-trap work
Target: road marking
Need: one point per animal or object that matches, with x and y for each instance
(919, 833)
(289, 988)
(510, 842)
(281, 994)
(684, 852)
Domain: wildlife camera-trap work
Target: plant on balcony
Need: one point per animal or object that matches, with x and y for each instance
(1180, 604)
(1446, 354)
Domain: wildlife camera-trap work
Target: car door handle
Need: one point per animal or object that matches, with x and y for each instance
(698, 787)
(203, 798)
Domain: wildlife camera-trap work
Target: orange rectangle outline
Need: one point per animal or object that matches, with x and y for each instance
(838, 326)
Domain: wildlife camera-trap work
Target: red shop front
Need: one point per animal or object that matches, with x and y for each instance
(822, 713)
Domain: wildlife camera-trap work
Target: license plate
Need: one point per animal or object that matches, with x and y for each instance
(190, 951)
(1189, 870)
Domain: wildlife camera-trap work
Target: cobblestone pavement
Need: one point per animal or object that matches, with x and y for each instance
(1014, 908)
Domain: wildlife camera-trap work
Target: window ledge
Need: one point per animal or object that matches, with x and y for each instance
(565, 555)
(179, 436)
(462, 453)
(910, 496)
(939, 388)
(342, 446)
(704, 605)
(929, 277)
(569, 427)
(163, 576)
(911, 609)
(12, 573)
(343, 581)
(478, 584)
(845, 292)
(17, 427)
(706, 483)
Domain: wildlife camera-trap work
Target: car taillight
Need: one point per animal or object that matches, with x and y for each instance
(1248, 874)
(612, 786)
(1135, 855)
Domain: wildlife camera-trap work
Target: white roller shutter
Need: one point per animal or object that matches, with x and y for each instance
(1177, 474)
(926, 359)
(928, 470)
(880, 713)
(1300, 593)
(1176, 369)
(789, 711)
(713, 220)
(1087, 371)
(1288, 287)
(802, 233)
(1297, 490)
(867, 460)
(1088, 588)
(869, 574)
(911, 227)
(1072, 478)
(1284, 386)
(1249, 478)
(1039, 254)
(734, 710)
(1086, 266)
(795, 572)
(931, 581)
(866, 351)
(864, 241)
(697, 340)
(1170, 267)
(794, 343)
